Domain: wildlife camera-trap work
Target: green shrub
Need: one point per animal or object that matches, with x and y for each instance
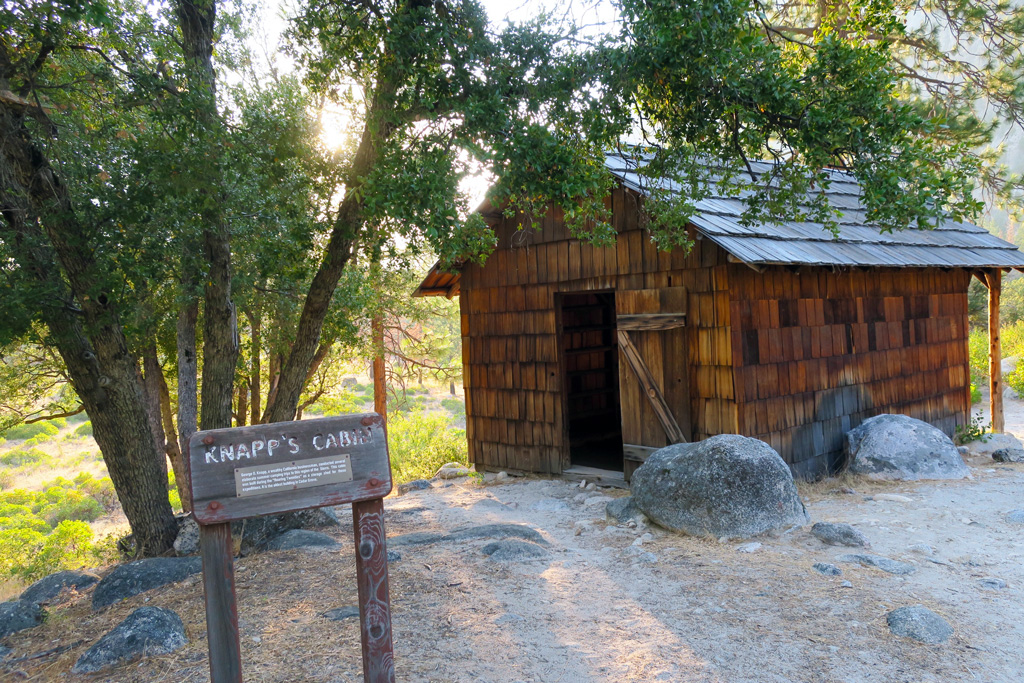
(454, 406)
(977, 346)
(975, 394)
(24, 431)
(6, 479)
(30, 555)
(68, 504)
(420, 443)
(340, 404)
(78, 418)
(18, 549)
(100, 490)
(20, 457)
(84, 429)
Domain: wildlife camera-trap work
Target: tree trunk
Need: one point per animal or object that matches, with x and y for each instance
(380, 389)
(43, 230)
(242, 411)
(347, 227)
(152, 378)
(255, 333)
(181, 480)
(188, 377)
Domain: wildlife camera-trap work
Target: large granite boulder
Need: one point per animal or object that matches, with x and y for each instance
(146, 632)
(900, 447)
(143, 575)
(919, 623)
(49, 587)
(258, 532)
(18, 615)
(727, 486)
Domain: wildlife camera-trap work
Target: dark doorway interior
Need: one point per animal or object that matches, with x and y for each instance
(592, 380)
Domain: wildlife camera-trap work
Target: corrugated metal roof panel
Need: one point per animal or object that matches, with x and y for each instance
(859, 243)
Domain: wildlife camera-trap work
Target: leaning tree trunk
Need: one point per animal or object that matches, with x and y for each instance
(42, 229)
(152, 377)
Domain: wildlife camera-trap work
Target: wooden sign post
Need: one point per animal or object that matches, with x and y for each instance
(283, 467)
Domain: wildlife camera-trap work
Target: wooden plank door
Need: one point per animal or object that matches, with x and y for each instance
(653, 371)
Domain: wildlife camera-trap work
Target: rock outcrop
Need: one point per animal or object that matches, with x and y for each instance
(900, 447)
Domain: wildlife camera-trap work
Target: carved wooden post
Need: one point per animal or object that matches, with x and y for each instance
(994, 280)
(372, 582)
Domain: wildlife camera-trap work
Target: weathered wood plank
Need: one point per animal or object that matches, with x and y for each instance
(650, 389)
(651, 321)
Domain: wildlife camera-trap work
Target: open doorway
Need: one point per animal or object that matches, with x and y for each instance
(591, 360)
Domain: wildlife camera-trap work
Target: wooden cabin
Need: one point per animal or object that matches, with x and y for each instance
(579, 358)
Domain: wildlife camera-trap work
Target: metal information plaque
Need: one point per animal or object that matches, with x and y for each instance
(268, 469)
(295, 474)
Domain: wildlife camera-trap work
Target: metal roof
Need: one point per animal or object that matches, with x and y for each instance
(949, 245)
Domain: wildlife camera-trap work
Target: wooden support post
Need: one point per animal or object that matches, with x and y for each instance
(372, 582)
(380, 388)
(994, 280)
(221, 603)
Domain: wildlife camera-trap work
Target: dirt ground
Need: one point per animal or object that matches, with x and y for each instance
(598, 608)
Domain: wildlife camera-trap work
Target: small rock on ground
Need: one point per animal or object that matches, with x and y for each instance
(394, 556)
(839, 534)
(748, 547)
(137, 577)
(18, 615)
(549, 505)
(1015, 517)
(187, 540)
(827, 569)
(513, 551)
(49, 587)
(624, 510)
(342, 613)
(302, 538)
(883, 563)
(147, 631)
(453, 470)
(993, 443)
(992, 583)
(497, 531)
(920, 624)
(414, 485)
(1009, 455)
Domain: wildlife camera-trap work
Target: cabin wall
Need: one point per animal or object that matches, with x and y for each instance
(513, 375)
(818, 352)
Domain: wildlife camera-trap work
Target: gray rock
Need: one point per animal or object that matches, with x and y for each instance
(416, 538)
(1015, 517)
(257, 532)
(992, 583)
(497, 531)
(301, 538)
(49, 587)
(453, 470)
(394, 556)
(920, 624)
(900, 447)
(993, 443)
(846, 584)
(414, 485)
(883, 563)
(513, 551)
(839, 534)
(1009, 455)
(490, 504)
(143, 575)
(624, 510)
(827, 569)
(727, 486)
(549, 505)
(342, 613)
(146, 632)
(187, 540)
(18, 615)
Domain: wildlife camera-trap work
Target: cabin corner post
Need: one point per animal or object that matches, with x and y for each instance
(994, 281)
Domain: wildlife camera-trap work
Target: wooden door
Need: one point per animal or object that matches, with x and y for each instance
(654, 390)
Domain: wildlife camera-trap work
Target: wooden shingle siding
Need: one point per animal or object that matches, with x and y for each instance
(817, 352)
(514, 404)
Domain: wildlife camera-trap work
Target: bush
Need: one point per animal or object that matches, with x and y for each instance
(420, 443)
(975, 394)
(68, 504)
(6, 479)
(30, 555)
(454, 406)
(977, 348)
(84, 429)
(45, 428)
(20, 456)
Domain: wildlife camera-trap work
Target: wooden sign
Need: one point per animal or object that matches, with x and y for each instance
(268, 469)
